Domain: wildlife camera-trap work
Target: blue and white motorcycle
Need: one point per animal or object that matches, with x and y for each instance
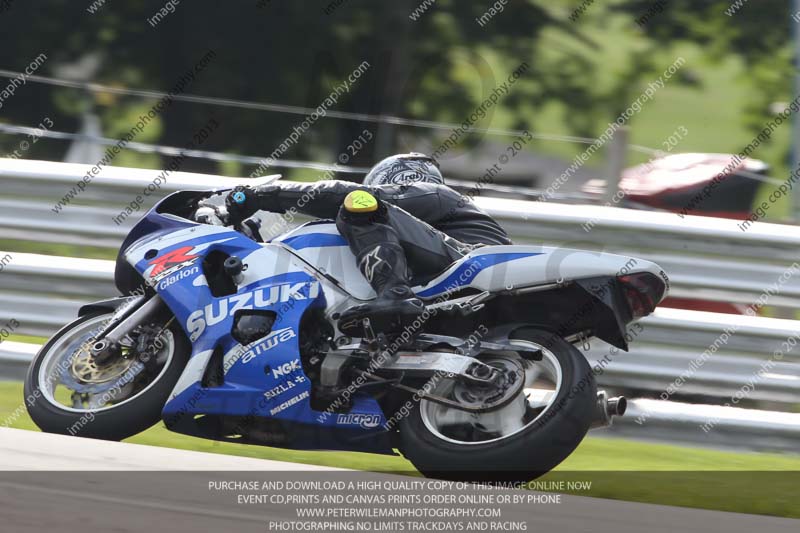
(228, 338)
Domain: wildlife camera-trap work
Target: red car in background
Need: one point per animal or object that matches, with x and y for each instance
(671, 182)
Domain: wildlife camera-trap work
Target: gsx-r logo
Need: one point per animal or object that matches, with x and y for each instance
(217, 311)
(171, 262)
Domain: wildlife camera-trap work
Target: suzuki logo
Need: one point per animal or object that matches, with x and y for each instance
(285, 369)
(218, 311)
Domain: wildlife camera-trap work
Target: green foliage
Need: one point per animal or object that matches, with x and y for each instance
(759, 34)
(439, 67)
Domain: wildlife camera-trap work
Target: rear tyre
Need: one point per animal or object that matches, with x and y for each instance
(544, 438)
(126, 403)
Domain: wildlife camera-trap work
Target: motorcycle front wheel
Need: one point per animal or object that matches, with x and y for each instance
(68, 393)
(520, 441)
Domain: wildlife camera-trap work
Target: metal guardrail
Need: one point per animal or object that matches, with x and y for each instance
(668, 354)
(731, 427)
(36, 187)
(44, 292)
(15, 358)
(707, 258)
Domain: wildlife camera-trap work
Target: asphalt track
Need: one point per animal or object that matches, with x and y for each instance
(59, 484)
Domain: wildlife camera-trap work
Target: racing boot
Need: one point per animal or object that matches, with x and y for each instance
(381, 259)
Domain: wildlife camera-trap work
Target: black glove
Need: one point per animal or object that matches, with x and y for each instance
(242, 202)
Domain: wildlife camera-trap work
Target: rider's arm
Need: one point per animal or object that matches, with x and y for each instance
(323, 199)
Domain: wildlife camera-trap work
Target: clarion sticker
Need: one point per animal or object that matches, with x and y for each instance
(290, 402)
(272, 340)
(183, 274)
(363, 420)
(171, 262)
(218, 311)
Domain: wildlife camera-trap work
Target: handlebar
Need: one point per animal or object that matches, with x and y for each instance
(215, 212)
(208, 213)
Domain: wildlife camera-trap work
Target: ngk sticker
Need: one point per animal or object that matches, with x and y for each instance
(286, 368)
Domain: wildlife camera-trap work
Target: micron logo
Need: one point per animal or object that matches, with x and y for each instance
(364, 420)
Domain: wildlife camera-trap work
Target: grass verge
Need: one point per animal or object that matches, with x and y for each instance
(617, 469)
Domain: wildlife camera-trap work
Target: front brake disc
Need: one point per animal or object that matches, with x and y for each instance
(85, 376)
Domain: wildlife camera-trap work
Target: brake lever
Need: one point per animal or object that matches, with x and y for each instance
(213, 215)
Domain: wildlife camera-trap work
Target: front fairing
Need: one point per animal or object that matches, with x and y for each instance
(172, 213)
(264, 380)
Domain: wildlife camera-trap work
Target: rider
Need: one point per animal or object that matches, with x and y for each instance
(403, 219)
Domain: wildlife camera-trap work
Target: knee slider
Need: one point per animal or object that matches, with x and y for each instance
(361, 206)
(360, 202)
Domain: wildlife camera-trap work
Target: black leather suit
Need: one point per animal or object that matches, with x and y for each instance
(434, 224)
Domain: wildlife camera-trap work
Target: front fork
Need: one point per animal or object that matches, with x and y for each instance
(139, 311)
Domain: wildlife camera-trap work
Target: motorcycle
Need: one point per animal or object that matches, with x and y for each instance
(225, 337)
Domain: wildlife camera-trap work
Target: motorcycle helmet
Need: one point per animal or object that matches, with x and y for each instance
(403, 169)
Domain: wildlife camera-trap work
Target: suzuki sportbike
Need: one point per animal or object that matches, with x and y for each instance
(225, 337)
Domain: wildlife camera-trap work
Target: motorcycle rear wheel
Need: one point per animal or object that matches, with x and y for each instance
(537, 431)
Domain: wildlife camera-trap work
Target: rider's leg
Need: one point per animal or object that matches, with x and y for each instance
(429, 251)
(374, 230)
(363, 221)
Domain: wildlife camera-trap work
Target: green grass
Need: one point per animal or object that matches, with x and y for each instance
(61, 250)
(618, 469)
(26, 338)
(11, 399)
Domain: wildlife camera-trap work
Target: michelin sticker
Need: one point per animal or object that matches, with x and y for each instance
(288, 403)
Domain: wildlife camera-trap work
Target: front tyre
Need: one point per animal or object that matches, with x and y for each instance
(66, 392)
(520, 441)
